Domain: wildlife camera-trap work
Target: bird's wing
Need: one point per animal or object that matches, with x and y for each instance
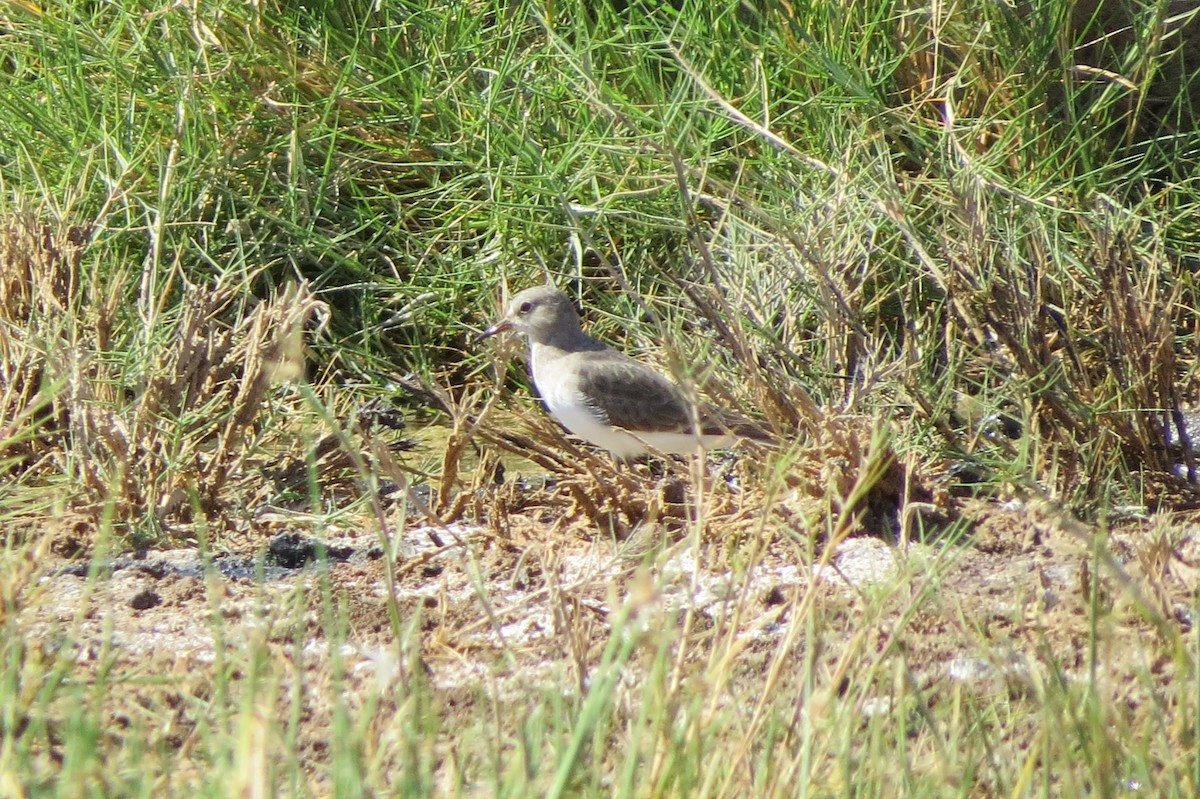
(632, 396)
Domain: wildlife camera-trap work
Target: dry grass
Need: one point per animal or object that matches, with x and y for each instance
(942, 254)
(171, 439)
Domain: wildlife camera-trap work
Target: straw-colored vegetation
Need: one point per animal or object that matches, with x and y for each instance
(946, 254)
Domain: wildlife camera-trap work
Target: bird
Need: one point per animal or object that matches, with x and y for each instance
(603, 395)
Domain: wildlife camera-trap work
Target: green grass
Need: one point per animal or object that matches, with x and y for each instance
(226, 227)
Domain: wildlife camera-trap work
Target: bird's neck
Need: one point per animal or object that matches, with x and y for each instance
(564, 341)
(542, 353)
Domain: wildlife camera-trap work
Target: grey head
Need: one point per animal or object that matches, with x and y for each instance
(545, 316)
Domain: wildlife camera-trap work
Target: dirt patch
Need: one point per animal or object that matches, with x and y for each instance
(1027, 595)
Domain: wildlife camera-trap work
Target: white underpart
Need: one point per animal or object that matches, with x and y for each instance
(571, 409)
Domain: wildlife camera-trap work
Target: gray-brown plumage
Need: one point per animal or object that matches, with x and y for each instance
(603, 395)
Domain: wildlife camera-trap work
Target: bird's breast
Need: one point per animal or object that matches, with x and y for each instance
(564, 400)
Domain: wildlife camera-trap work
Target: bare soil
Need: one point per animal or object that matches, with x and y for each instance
(486, 616)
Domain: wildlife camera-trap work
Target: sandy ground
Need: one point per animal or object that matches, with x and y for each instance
(485, 614)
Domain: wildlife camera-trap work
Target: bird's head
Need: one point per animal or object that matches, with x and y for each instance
(537, 313)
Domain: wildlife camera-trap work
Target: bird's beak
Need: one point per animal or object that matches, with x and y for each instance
(499, 327)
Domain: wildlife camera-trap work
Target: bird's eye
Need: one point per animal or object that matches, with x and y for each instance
(525, 308)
